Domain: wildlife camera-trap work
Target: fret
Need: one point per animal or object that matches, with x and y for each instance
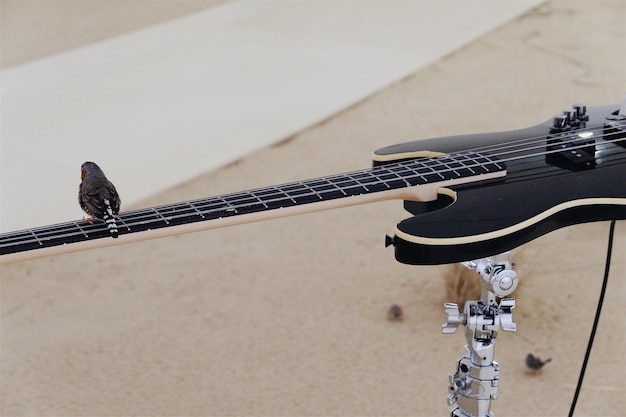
(436, 171)
(194, 208)
(323, 187)
(454, 165)
(379, 179)
(373, 183)
(365, 179)
(242, 203)
(135, 218)
(26, 239)
(290, 191)
(392, 180)
(400, 174)
(83, 231)
(230, 204)
(303, 194)
(417, 177)
(48, 236)
(206, 206)
(409, 173)
(311, 192)
(36, 238)
(338, 188)
(242, 200)
(350, 187)
(365, 184)
(487, 164)
(471, 170)
(158, 213)
(260, 200)
(272, 198)
(467, 168)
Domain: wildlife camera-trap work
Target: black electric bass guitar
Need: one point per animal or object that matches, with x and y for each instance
(471, 196)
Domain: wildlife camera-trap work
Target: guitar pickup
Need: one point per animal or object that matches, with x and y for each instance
(574, 152)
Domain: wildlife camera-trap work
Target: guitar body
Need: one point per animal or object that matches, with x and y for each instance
(544, 189)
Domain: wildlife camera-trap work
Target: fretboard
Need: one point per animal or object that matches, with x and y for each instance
(416, 179)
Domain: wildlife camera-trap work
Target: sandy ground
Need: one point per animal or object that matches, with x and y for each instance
(288, 317)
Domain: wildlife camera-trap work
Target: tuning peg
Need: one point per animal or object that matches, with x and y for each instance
(559, 122)
(571, 115)
(581, 111)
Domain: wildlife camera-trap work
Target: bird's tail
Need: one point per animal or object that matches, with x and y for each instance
(109, 219)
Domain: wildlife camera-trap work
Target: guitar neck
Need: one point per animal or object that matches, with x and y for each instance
(416, 179)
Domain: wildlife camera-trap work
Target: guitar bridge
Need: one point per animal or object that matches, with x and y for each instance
(615, 128)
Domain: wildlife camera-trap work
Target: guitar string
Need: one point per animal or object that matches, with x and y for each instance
(73, 226)
(544, 153)
(84, 231)
(230, 201)
(434, 161)
(541, 139)
(343, 176)
(575, 135)
(70, 228)
(279, 191)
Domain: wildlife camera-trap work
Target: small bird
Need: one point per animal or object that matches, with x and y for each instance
(98, 197)
(534, 363)
(395, 313)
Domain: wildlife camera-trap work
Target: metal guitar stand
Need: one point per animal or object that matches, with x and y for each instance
(476, 380)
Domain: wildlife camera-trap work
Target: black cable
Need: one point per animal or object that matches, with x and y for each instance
(596, 319)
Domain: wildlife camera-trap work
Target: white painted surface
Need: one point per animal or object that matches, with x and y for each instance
(161, 105)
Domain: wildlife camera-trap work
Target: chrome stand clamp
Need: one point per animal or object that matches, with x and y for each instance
(476, 380)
